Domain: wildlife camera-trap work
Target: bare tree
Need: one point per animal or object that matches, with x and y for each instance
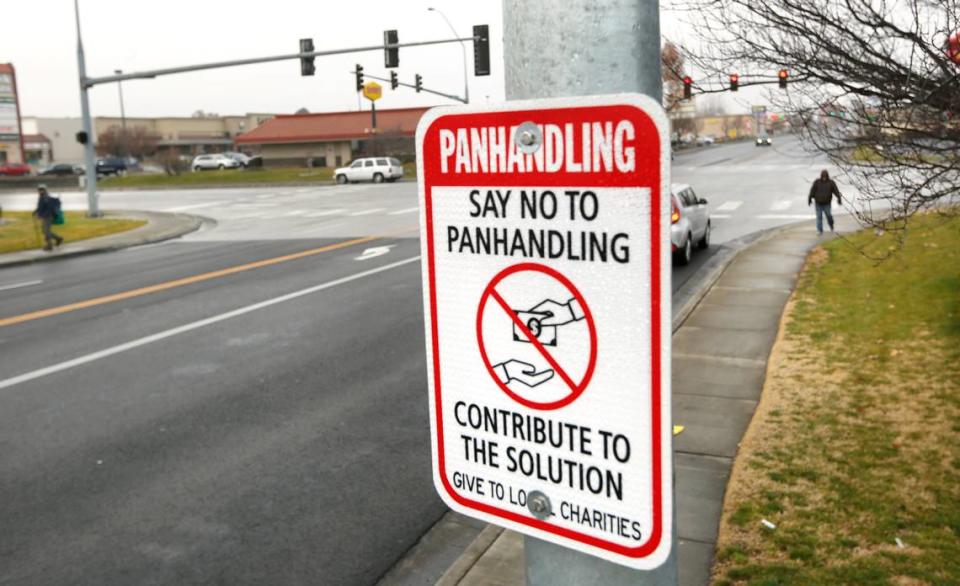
(133, 142)
(871, 84)
(672, 62)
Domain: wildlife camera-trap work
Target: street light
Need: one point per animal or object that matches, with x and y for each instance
(463, 47)
(123, 114)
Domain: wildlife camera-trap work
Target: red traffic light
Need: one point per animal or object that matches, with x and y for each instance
(784, 74)
(734, 82)
(687, 89)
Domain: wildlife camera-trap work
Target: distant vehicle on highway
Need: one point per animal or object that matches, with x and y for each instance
(62, 170)
(217, 161)
(241, 158)
(705, 140)
(689, 223)
(764, 141)
(376, 169)
(111, 166)
(15, 169)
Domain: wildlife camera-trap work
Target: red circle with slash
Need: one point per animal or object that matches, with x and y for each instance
(576, 388)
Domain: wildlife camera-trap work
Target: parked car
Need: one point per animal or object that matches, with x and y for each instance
(376, 169)
(764, 141)
(705, 140)
(111, 166)
(241, 158)
(689, 223)
(217, 161)
(62, 170)
(14, 169)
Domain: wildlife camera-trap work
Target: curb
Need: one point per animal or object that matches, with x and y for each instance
(182, 224)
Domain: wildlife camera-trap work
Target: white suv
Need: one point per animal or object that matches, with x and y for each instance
(376, 169)
(213, 162)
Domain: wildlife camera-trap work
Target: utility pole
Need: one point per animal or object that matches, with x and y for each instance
(463, 48)
(123, 115)
(89, 157)
(580, 48)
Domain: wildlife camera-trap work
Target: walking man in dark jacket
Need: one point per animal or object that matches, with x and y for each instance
(47, 208)
(822, 192)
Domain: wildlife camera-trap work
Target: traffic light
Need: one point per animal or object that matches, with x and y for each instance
(687, 87)
(418, 84)
(82, 137)
(481, 50)
(306, 63)
(394, 82)
(734, 82)
(784, 74)
(359, 73)
(391, 55)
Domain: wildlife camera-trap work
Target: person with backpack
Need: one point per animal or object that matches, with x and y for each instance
(822, 192)
(48, 207)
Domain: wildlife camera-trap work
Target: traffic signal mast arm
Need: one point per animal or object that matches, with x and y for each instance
(413, 86)
(698, 89)
(89, 82)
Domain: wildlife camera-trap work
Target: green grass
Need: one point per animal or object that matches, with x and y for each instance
(20, 232)
(863, 446)
(269, 175)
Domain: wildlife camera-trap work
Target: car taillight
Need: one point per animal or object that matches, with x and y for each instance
(675, 216)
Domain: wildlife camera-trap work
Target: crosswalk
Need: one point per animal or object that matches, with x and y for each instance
(777, 210)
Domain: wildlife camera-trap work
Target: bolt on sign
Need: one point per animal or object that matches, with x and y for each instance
(544, 226)
(372, 91)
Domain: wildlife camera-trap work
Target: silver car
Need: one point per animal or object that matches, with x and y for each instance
(689, 223)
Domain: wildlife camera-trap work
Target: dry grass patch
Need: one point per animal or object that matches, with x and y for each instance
(856, 441)
(20, 231)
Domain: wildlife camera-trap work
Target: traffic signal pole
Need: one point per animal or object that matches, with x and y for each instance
(422, 89)
(89, 157)
(581, 48)
(93, 207)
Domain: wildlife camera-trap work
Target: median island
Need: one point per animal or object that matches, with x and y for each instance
(850, 470)
(20, 231)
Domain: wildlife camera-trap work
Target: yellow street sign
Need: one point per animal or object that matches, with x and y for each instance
(372, 91)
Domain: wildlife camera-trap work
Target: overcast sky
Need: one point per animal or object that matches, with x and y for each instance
(39, 39)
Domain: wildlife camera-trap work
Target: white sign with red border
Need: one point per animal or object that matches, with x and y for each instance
(546, 264)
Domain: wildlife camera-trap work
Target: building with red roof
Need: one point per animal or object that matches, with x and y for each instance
(332, 139)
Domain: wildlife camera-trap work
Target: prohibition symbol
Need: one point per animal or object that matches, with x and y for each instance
(536, 335)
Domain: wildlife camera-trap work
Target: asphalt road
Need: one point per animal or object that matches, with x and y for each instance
(268, 426)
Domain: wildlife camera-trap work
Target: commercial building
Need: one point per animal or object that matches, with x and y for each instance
(332, 139)
(11, 131)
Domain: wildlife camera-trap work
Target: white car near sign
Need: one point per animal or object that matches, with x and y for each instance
(546, 291)
(217, 161)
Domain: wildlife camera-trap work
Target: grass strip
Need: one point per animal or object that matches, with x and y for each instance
(854, 453)
(19, 231)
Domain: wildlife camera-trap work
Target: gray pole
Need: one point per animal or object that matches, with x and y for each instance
(123, 114)
(463, 48)
(89, 157)
(582, 48)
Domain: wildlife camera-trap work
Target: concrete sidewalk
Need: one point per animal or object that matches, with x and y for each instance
(719, 364)
(159, 226)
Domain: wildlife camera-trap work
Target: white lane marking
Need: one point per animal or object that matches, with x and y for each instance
(729, 206)
(324, 213)
(784, 216)
(106, 352)
(779, 206)
(720, 216)
(195, 206)
(374, 252)
(254, 205)
(404, 211)
(367, 212)
(19, 285)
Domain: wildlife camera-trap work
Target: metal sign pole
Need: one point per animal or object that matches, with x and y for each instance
(579, 48)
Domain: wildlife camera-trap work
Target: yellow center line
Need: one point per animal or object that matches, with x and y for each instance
(25, 317)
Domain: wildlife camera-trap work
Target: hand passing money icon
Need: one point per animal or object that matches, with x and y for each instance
(516, 370)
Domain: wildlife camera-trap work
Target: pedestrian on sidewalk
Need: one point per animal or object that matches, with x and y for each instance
(47, 208)
(822, 192)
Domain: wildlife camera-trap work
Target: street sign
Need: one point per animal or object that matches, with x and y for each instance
(545, 229)
(372, 91)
